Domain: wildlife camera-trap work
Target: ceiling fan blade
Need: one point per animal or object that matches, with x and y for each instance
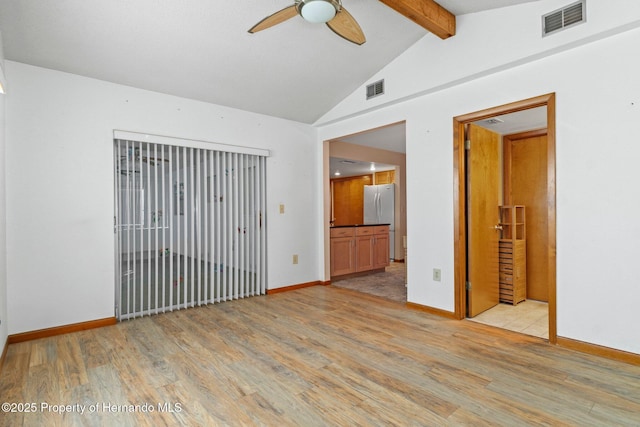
(275, 19)
(344, 25)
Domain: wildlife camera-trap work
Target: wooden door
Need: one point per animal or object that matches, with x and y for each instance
(348, 199)
(483, 198)
(525, 183)
(341, 202)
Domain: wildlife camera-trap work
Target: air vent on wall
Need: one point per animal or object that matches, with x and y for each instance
(563, 18)
(375, 89)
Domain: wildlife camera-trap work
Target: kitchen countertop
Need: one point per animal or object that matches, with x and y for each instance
(357, 225)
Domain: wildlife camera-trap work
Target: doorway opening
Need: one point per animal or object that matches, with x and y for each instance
(480, 234)
(345, 204)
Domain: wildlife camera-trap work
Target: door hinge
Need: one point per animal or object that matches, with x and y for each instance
(467, 144)
(467, 285)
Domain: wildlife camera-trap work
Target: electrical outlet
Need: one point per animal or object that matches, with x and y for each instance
(281, 208)
(295, 259)
(437, 276)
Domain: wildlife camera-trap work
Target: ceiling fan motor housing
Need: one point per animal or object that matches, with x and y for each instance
(318, 11)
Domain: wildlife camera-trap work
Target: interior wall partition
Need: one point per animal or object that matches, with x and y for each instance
(189, 224)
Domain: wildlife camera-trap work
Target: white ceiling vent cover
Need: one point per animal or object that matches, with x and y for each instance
(564, 18)
(375, 89)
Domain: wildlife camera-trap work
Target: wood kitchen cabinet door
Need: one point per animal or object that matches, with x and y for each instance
(381, 250)
(364, 253)
(386, 177)
(343, 259)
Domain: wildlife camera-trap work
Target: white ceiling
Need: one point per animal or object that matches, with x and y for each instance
(520, 121)
(393, 138)
(390, 138)
(201, 49)
(349, 167)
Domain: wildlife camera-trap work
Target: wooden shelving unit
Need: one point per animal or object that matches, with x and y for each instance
(513, 254)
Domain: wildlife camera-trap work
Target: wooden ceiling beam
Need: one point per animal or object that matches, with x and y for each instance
(428, 14)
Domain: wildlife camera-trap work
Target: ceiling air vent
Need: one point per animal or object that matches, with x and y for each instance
(494, 121)
(375, 89)
(563, 18)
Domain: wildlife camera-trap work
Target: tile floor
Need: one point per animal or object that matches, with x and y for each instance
(389, 285)
(529, 317)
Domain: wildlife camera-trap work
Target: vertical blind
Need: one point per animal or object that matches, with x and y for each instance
(189, 226)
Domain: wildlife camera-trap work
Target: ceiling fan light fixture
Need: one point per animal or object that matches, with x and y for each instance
(329, 12)
(318, 11)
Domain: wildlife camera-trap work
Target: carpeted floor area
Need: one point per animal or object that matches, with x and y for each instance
(389, 285)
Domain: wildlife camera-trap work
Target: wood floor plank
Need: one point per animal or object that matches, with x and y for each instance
(43, 387)
(193, 412)
(43, 351)
(333, 409)
(70, 363)
(205, 391)
(14, 380)
(386, 400)
(107, 389)
(314, 356)
(93, 346)
(477, 398)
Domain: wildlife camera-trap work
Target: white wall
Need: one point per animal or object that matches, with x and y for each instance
(486, 42)
(3, 236)
(60, 239)
(598, 109)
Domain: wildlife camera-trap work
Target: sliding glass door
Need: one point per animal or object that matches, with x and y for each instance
(189, 226)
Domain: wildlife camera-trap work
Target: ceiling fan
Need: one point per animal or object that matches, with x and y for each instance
(330, 12)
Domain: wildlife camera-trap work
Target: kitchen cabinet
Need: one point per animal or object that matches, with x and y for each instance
(359, 249)
(385, 177)
(364, 248)
(381, 247)
(343, 251)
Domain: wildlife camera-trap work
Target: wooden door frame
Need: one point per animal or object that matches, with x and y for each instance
(459, 200)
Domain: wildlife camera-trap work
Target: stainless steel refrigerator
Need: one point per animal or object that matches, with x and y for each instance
(379, 208)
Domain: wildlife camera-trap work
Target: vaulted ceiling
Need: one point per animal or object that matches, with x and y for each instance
(202, 50)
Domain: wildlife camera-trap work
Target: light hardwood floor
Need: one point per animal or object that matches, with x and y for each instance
(314, 357)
